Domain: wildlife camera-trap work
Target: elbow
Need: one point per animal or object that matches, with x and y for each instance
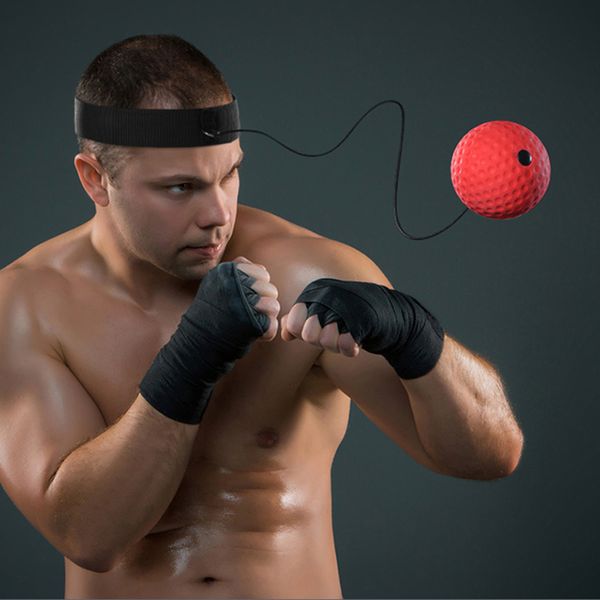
(88, 552)
(96, 562)
(76, 537)
(507, 463)
(499, 466)
(80, 551)
(516, 452)
(83, 549)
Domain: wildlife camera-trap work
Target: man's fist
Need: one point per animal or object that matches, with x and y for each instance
(378, 319)
(268, 293)
(296, 325)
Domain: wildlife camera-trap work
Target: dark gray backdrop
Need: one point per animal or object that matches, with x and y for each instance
(523, 292)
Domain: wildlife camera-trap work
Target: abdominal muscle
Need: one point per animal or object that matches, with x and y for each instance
(260, 534)
(255, 523)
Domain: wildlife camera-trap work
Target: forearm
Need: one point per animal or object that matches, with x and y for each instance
(463, 418)
(109, 492)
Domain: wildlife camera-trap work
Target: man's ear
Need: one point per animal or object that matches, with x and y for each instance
(93, 177)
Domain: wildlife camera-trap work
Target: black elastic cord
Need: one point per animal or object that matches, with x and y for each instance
(398, 224)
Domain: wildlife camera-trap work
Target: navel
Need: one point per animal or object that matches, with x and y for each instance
(267, 437)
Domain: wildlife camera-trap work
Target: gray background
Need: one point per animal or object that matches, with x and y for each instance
(521, 292)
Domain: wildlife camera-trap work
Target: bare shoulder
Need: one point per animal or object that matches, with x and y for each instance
(276, 239)
(59, 251)
(306, 254)
(28, 284)
(39, 280)
(257, 224)
(295, 256)
(28, 297)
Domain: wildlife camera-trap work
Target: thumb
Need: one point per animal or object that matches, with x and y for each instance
(285, 334)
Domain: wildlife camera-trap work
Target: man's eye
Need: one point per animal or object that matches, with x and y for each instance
(178, 185)
(183, 188)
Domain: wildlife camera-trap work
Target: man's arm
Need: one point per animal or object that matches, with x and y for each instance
(463, 423)
(90, 490)
(463, 416)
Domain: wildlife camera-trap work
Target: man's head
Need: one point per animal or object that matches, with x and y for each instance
(156, 201)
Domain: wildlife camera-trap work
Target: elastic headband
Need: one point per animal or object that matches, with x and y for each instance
(157, 127)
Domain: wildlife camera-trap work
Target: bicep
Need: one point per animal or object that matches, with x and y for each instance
(44, 414)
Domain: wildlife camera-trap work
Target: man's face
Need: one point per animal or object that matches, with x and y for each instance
(169, 199)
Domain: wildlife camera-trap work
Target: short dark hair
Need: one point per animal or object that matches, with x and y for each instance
(146, 71)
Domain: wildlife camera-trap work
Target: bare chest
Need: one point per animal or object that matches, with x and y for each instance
(270, 411)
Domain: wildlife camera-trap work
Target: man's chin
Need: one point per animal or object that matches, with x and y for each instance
(195, 270)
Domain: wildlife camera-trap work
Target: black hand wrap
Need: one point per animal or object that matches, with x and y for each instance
(381, 321)
(216, 330)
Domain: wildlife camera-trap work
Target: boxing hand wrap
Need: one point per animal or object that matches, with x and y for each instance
(380, 320)
(216, 330)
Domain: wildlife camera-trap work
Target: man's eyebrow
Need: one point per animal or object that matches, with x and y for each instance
(194, 178)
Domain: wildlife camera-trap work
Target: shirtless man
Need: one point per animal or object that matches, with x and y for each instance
(227, 494)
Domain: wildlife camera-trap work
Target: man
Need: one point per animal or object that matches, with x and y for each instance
(157, 430)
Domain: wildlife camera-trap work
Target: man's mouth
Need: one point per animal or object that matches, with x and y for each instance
(209, 249)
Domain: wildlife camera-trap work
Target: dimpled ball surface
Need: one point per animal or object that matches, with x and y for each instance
(488, 175)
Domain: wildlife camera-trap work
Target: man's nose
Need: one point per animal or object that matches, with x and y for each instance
(212, 208)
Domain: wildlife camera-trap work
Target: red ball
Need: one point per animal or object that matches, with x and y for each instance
(500, 169)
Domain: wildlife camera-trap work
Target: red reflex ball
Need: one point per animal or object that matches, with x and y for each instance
(500, 169)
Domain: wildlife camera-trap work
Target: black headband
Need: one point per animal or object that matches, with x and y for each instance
(157, 127)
